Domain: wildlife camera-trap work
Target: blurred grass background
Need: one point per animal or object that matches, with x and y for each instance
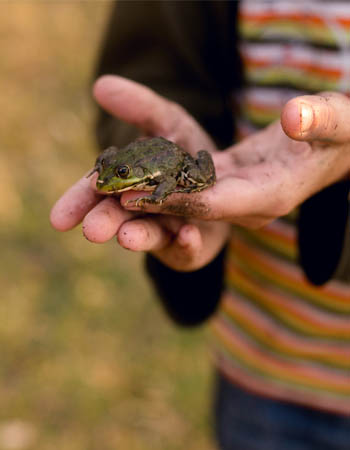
(88, 359)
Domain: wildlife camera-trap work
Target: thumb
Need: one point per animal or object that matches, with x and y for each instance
(321, 117)
(136, 104)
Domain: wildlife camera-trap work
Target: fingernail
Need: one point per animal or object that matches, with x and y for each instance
(306, 117)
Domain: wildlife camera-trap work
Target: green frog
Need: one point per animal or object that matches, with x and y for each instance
(156, 165)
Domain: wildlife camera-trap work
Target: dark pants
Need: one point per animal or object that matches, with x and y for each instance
(245, 421)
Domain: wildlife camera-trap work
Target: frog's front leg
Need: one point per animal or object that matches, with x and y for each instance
(166, 186)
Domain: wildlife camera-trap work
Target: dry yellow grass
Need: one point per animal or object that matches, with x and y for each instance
(88, 360)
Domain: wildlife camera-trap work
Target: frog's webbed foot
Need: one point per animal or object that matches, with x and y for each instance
(141, 201)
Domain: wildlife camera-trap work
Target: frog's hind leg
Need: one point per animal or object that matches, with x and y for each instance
(206, 167)
(199, 172)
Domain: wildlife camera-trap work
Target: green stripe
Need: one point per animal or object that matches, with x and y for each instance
(295, 78)
(286, 29)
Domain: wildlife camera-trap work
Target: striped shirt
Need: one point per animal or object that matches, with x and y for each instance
(275, 333)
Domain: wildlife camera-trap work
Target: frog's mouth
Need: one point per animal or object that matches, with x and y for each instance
(115, 184)
(120, 187)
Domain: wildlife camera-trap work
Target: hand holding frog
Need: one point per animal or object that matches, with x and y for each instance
(268, 174)
(263, 177)
(178, 243)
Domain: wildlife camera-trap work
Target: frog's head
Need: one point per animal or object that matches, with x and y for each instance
(118, 171)
(122, 177)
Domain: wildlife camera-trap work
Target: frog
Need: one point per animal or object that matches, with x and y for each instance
(153, 164)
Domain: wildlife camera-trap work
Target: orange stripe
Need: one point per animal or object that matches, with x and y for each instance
(270, 16)
(298, 18)
(262, 107)
(345, 21)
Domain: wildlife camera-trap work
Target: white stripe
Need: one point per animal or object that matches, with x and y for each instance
(274, 98)
(316, 7)
(286, 54)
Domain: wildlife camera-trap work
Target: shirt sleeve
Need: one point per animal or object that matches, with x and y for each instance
(189, 298)
(324, 234)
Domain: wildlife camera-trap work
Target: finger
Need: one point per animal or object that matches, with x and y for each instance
(200, 242)
(185, 252)
(136, 104)
(151, 113)
(251, 193)
(317, 117)
(74, 204)
(180, 252)
(146, 234)
(103, 222)
(93, 179)
(230, 195)
(186, 205)
(189, 240)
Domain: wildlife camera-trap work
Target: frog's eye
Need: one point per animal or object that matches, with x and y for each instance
(123, 171)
